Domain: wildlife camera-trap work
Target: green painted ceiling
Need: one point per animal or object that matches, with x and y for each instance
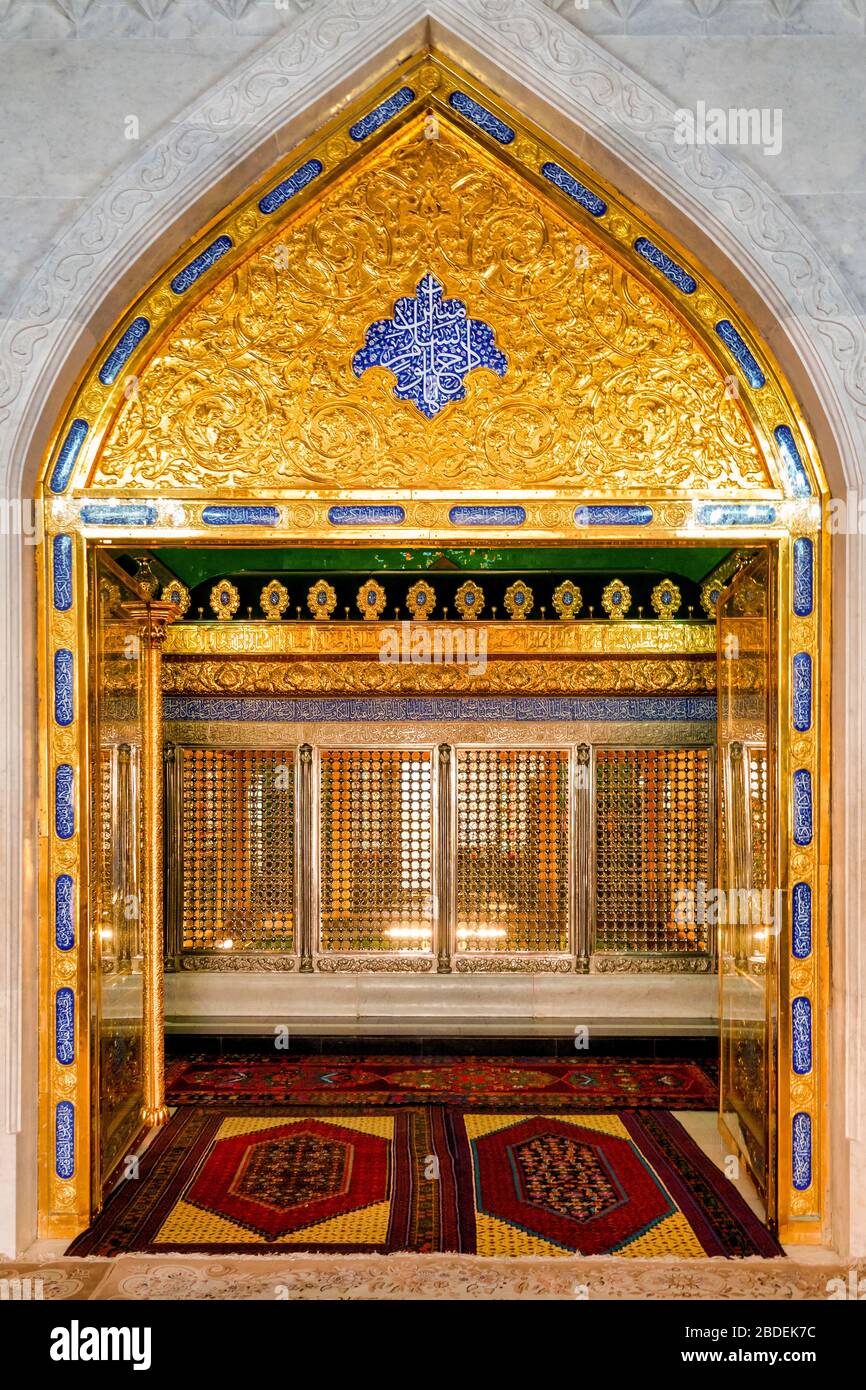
(196, 564)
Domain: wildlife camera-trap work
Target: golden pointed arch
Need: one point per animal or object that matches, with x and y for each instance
(623, 370)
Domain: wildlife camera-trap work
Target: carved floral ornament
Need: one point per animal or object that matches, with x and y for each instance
(432, 316)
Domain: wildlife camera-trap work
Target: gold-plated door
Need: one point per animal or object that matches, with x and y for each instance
(748, 905)
(116, 946)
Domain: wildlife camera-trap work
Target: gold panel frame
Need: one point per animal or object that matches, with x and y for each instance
(752, 500)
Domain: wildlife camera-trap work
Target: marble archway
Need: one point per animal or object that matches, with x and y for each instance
(578, 66)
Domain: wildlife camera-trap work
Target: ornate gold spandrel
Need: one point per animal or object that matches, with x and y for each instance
(605, 387)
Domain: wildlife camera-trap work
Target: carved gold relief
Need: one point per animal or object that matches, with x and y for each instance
(603, 381)
(215, 677)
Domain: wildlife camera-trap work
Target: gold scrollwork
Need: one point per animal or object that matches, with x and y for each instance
(176, 593)
(274, 600)
(370, 599)
(322, 599)
(667, 600)
(421, 599)
(224, 599)
(567, 599)
(616, 600)
(469, 599)
(254, 677)
(518, 600)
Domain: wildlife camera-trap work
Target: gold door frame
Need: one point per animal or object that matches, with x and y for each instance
(86, 503)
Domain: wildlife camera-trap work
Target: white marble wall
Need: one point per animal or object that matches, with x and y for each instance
(74, 70)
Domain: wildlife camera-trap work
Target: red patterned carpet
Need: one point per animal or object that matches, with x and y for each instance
(580, 1083)
(426, 1178)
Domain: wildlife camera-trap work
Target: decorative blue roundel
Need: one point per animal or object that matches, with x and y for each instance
(568, 598)
(371, 596)
(617, 598)
(430, 345)
(469, 599)
(321, 597)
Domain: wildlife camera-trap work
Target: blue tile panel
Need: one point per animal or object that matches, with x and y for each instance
(69, 451)
(801, 1150)
(64, 704)
(61, 555)
(613, 515)
(735, 514)
(64, 1139)
(487, 516)
(803, 576)
(801, 1035)
(64, 926)
(430, 345)
(291, 186)
(673, 272)
(123, 350)
(241, 516)
(64, 1025)
(801, 692)
(64, 804)
(574, 189)
(798, 478)
(366, 516)
(201, 265)
(480, 116)
(118, 514)
(740, 353)
(382, 114)
(801, 920)
(467, 709)
(802, 806)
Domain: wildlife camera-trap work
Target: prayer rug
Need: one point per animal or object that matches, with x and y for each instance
(426, 1178)
(579, 1083)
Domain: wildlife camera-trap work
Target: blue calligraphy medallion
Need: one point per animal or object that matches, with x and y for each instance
(430, 344)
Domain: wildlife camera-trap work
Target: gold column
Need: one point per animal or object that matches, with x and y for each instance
(153, 619)
(307, 867)
(583, 852)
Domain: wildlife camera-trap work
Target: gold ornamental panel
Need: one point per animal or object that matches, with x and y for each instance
(652, 849)
(604, 386)
(512, 854)
(237, 849)
(376, 850)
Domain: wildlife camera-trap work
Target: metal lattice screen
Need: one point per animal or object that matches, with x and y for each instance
(238, 838)
(376, 850)
(512, 859)
(651, 838)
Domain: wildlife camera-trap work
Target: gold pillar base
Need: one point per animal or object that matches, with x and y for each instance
(155, 1115)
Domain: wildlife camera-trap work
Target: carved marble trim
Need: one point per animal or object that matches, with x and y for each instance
(651, 965)
(225, 963)
(365, 965)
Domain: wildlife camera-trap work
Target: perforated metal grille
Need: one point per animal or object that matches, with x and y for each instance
(376, 846)
(238, 834)
(652, 838)
(512, 850)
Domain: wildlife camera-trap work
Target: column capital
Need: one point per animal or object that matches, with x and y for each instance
(153, 617)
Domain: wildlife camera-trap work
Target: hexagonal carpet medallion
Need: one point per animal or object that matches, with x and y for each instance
(426, 1178)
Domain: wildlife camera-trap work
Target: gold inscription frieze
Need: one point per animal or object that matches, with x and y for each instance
(475, 677)
(363, 639)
